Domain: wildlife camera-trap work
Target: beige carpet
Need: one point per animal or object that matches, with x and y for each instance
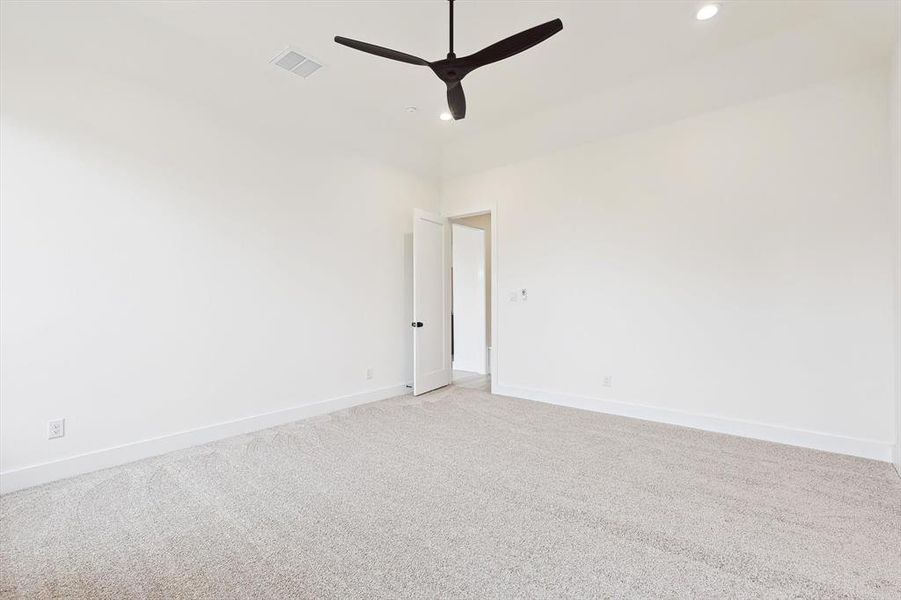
(461, 494)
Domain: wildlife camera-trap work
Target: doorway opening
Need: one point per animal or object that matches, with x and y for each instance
(471, 310)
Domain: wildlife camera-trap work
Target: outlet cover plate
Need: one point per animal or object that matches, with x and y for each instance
(56, 429)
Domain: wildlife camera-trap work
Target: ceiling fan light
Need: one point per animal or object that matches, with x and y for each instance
(446, 116)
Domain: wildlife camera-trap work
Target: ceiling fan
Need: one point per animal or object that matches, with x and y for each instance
(452, 70)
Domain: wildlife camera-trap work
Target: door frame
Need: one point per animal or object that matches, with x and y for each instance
(494, 355)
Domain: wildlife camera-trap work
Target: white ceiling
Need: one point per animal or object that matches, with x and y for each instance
(217, 53)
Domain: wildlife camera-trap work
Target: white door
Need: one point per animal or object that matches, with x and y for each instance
(431, 302)
(470, 333)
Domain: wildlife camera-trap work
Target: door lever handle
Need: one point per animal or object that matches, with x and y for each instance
(416, 324)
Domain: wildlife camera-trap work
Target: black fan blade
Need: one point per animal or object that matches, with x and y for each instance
(456, 101)
(379, 51)
(514, 44)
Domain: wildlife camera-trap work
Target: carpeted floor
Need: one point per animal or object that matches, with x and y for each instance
(460, 494)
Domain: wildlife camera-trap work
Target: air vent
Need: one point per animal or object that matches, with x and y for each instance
(297, 63)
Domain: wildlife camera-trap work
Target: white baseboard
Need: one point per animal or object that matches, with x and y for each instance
(25, 477)
(828, 442)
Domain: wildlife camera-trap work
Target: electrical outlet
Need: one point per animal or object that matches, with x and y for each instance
(608, 381)
(56, 429)
(369, 373)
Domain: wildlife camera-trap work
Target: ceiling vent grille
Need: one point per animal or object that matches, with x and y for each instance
(297, 63)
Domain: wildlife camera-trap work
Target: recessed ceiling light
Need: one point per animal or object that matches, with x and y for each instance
(708, 11)
(446, 116)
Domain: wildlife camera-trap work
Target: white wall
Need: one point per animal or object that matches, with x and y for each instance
(732, 270)
(895, 130)
(469, 275)
(163, 269)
